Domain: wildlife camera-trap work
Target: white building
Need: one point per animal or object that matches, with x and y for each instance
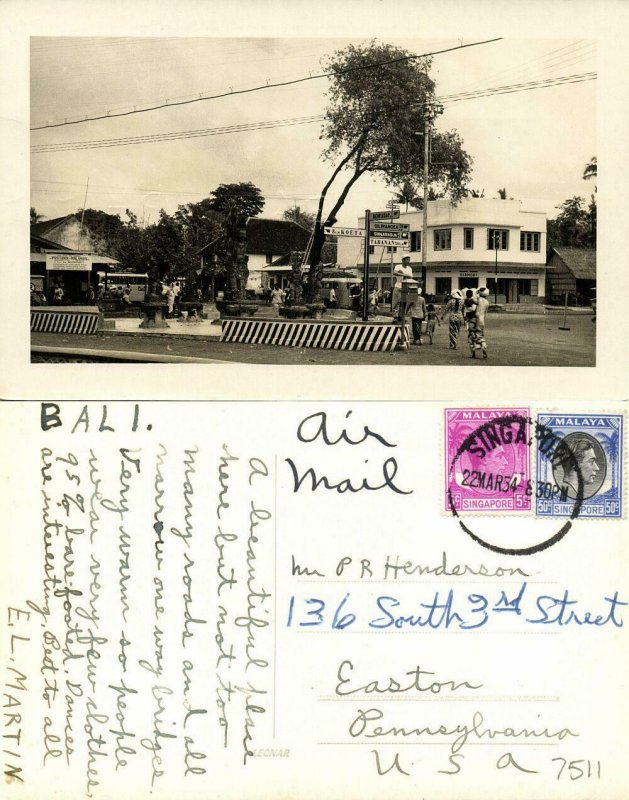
(470, 245)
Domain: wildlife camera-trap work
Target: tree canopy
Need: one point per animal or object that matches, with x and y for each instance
(574, 225)
(378, 99)
(304, 218)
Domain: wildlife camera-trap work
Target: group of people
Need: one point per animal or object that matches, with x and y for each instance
(469, 311)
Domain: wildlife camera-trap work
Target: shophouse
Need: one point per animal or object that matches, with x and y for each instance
(477, 242)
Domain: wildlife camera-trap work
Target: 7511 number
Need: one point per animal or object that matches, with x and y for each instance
(313, 613)
(581, 768)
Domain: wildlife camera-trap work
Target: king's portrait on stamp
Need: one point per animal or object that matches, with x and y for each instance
(590, 456)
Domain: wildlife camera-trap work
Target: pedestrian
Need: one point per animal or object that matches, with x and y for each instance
(276, 299)
(418, 313)
(177, 291)
(332, 296)
(58, 296)
(399, 273)
(470, 306)
(454, 308)
(432, 320)
(481, 311)
(126, 297)
(373, 301)
(170, 298)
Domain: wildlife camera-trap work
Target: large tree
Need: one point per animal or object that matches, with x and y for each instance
(236, 202)
(378, 100)
(574, 225)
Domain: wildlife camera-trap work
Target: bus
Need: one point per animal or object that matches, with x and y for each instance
(114, 284)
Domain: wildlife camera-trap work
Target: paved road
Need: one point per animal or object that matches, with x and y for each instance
(513, 340)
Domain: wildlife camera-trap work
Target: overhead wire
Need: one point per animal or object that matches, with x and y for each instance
(244, 127)
(262, 87)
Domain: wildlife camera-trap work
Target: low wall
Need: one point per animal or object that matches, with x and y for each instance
(333, 335)
(66, 319)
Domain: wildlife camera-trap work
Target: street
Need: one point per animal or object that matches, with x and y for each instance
(513, 340)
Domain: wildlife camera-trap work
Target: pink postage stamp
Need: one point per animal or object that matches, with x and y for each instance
(487, 460)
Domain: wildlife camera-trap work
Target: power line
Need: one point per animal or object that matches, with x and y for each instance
(245, 127)
(261, 88)
(167, 137)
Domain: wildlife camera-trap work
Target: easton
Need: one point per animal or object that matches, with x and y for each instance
(496, 434)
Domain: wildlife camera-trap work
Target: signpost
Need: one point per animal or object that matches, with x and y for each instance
(393, 214)
(345, 232)
(398, 227)
(385, 240)
(379, 234)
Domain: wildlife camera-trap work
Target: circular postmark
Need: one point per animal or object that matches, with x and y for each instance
(487, 444)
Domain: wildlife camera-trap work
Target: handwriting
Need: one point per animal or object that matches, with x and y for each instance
(389, 471)
(319, 428)
(417, 680)
(459, 735)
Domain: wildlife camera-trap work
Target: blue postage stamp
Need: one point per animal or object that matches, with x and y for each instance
(589, 453)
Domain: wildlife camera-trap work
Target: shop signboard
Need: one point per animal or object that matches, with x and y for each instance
(75, 262)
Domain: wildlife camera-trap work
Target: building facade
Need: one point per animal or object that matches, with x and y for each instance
(478, 242)
(571, 275)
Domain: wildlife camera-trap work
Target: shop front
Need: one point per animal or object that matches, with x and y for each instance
(506, 286)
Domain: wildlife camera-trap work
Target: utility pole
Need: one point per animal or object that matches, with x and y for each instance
(431, 109)
(365, 308)
(427, 123)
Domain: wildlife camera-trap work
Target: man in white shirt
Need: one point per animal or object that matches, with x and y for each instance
(479, 332)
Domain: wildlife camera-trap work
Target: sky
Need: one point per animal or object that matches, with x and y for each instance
(535, 142)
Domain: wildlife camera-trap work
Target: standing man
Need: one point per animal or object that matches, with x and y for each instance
(481, 311)
(418, 313)
(401, 271)
(276, 298)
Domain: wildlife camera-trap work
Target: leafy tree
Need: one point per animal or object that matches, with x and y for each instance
(502, 194)
(35, 217)
(476, 193)
(408, 195)
(236, 202)
(104, 229)
(574, 226)
(304, 218)
(378, 99)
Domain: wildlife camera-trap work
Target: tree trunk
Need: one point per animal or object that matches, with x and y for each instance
(318, 239)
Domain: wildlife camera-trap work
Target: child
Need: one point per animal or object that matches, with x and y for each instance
(432, 320)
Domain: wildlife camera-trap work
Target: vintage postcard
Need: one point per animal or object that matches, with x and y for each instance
(313, 400)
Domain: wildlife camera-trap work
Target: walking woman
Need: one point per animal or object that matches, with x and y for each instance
(454, 308)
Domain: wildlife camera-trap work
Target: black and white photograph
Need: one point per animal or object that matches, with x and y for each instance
(314, 200)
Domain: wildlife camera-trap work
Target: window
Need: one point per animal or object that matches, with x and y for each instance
(468, 238)
(392, 249)
(529, 241)
(443, 239)
(269, 257)
(497, 239)
(524, 287)
(443, 285)
(416, 241)
(372, 249)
